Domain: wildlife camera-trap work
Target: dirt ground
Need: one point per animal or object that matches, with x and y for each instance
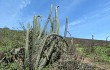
(101, 65)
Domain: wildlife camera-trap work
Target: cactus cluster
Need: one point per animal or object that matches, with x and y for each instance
(40, 45)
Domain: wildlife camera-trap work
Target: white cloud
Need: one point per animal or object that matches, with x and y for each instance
(92, 16)
(107, 4)
(11, 12)
(107, 8)
(24, 3)
(77, 22)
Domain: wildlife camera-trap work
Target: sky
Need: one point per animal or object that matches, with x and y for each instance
(86, 17)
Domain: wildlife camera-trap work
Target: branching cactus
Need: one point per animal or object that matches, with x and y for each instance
(40, 45)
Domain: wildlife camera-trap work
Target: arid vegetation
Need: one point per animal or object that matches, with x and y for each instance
(39, 48)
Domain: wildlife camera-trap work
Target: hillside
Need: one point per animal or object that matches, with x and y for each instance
(17, 37)
(11, 39)
(87, 42)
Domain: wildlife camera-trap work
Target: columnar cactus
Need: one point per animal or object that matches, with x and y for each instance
(27, 45)
(66, 27)
(37, 41)
(56, 20)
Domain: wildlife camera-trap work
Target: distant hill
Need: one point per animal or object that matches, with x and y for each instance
(17, 38)
(88, 42)
(11, 39)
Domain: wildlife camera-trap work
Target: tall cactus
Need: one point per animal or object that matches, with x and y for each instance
(52, 25)
(36, 25)
(35, 40)
(66, 27)
(47, 21)
(57, 24)
(40, 35)
(30, 49)
(36, 30)
(27, 45)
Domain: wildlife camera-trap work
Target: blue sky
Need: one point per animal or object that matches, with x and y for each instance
(86, 17)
